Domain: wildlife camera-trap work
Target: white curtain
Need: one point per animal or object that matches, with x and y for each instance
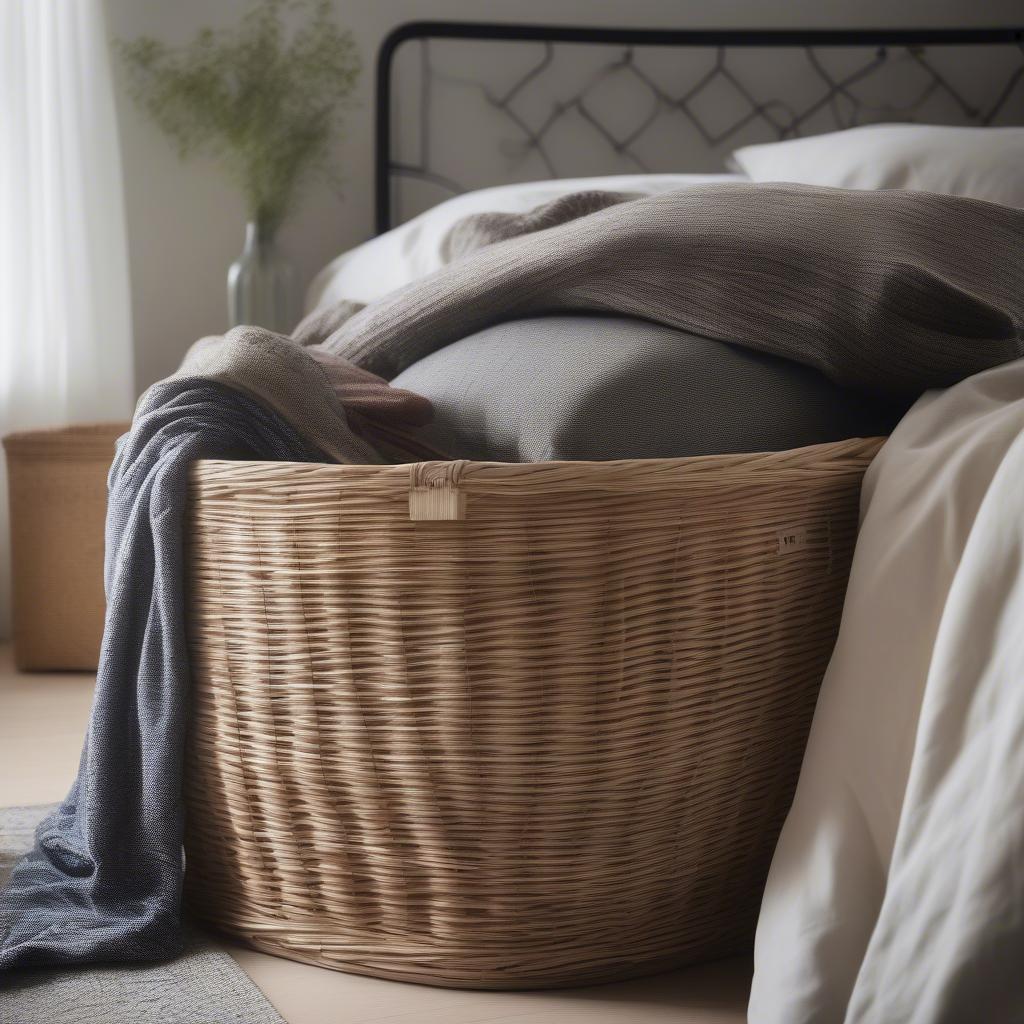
(65, 321)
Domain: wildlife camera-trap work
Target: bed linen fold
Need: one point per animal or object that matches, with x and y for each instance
(897, 888)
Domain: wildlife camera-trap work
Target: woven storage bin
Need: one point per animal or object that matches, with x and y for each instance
(549, 743)
(57, 482)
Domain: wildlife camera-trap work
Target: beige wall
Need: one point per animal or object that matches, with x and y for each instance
(185, 223)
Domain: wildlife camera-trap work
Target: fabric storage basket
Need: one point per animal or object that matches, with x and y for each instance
(505, 726)
(57, 482)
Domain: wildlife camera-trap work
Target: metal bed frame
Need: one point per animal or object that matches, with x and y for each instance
(783, 122)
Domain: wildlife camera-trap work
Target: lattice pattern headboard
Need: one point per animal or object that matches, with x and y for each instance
(462, 106)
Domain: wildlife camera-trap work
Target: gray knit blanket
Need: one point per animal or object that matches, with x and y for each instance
(892, 292)
(202, 986)
(889, 292)
(103, 882)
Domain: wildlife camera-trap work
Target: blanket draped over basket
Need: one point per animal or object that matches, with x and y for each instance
(890, 292)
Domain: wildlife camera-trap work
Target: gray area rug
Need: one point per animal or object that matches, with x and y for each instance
(202, 986)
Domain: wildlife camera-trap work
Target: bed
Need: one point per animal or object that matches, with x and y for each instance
(474, 119)
(545, 102)
(551, 110)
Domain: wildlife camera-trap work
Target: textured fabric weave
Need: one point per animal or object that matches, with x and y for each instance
(103, 882)
(890, 292)
(203, 986)
(104, 879)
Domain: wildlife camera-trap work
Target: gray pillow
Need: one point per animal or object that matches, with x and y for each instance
(606, 387)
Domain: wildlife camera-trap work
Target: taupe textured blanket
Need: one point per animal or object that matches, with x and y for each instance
(888, 291)
(348, 413)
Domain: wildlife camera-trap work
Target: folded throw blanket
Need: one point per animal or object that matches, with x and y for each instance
(890, 291)
(104, 879)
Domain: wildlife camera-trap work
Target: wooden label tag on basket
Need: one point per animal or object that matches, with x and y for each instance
(792, 539)
(437, 502)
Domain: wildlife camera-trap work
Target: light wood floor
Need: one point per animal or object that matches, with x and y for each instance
(42, 723)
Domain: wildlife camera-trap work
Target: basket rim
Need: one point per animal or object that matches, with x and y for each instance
(622, 474)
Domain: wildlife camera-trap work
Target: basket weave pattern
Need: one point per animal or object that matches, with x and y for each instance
(57, 481)
(549, 743)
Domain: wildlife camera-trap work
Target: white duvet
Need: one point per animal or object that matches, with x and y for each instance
(897, 889)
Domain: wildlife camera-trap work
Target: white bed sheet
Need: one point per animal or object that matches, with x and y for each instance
(414, 250)
(897, 888)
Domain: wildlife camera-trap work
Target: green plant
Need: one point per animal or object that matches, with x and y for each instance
(267, 104)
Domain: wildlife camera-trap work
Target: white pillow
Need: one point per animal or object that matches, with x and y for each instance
(414, 250)
(981, 163)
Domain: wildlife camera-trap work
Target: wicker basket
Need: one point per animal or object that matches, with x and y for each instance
(58, 503)
(505, 726)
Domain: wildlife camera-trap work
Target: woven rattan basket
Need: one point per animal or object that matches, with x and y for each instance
(57, 482)
(505, 726)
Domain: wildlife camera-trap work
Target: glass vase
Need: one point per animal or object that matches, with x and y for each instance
(261, 284)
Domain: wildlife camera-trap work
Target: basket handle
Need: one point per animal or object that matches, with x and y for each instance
(435, 492)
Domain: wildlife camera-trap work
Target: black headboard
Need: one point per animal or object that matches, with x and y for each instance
(941, 75)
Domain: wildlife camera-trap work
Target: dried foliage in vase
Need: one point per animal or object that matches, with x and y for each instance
(267, 103)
